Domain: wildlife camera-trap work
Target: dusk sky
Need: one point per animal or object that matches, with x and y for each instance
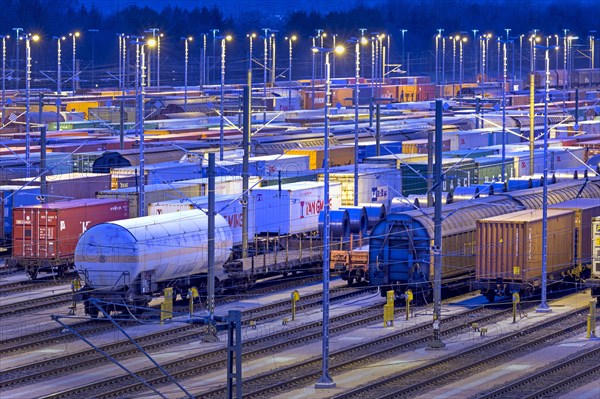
(234, 7)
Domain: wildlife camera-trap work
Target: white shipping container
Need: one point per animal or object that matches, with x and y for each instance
(591, 128)
(223, 184)
(567, 157)
(270, 165)
(294, 209)
(465, 140)
(521, 162)
(228, 206)
(376, 185)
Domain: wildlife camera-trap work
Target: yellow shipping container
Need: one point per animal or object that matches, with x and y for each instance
(81, 106)
(156, 132)
(45, 108)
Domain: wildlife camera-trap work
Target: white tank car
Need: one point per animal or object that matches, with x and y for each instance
(148, 250)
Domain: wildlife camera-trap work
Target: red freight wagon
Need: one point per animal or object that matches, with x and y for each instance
(45, 236)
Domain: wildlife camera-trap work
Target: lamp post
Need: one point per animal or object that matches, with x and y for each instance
(437, 50)
(122, 45)
(521, 56)
(28, 37)
(556, 53)
(320, 35)
(154, 32)
(93, 32)
(326, 381)
(333, 38)
(533, 39)
(290, 39)
(444, 66)
(58, 64)
(4, 37)
(224, 40)
(403, 31)
(17, 38)
(570, 58)
(214, 51)
(250, 36)
(273, 46)
(591, 40)
(185, 71)
(503, 169)
(74, 35)
(543, 304)
(58, 77)
(357, 43)
(140, 71)
(312, 80)
(486, 66)
(265, 63)
(158, 58)
(462, 40)
(150, 43)
(454, 39)
(476, 46)
(203, 73)
(382, 57)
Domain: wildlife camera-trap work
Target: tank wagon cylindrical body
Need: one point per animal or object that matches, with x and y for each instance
(127, 261)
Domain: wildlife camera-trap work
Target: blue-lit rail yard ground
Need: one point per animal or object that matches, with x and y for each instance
(284, 200)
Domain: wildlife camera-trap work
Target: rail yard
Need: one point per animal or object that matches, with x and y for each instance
(389, 235)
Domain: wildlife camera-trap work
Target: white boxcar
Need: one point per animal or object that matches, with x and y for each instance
(144, 251)
(228, 206)
(294, 209)
(375, 184)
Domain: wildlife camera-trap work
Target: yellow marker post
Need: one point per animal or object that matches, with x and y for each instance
(409, 298)
(192, 294)
(295, 298)
(515, 300)
(388, 310)
(166, 307)
(591, 320)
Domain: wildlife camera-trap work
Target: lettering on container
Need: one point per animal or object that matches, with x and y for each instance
(311, 208)
(63, 225)
(379, 193)
(235, 220)
(84, 226)
(529, 249)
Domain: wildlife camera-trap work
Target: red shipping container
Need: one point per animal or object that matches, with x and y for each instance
(45, 236)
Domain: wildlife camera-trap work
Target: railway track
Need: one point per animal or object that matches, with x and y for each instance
(305, 373)
(469, 362)
(561, 377)
(29, 285)
(89, 328)
(193, 367)
(37, 304)
(189, 333)
(208, 361)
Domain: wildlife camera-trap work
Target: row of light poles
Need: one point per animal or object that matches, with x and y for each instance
(482, 54)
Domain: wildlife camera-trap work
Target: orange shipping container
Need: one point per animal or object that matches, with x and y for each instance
(509, 247)
(343, 96)
(338, 156)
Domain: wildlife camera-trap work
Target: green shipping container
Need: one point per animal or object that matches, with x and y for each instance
(457, 173)
(490, 169)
